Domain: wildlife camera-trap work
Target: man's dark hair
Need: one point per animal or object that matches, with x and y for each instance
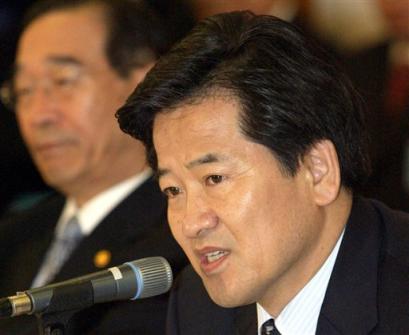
(290, 95)
(139, 31)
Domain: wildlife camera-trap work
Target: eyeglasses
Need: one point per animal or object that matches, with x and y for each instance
(18, 94)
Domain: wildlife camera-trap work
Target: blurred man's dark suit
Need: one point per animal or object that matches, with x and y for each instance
(369, 71)
(367, 293)
(136, 228)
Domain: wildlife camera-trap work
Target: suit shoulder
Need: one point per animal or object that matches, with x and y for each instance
(395, 232)
(393, 294)
(47, 210)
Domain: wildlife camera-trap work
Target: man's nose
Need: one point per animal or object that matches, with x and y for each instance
(199, 218)
(41, 109)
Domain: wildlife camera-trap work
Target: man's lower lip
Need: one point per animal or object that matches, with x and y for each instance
(208, 268)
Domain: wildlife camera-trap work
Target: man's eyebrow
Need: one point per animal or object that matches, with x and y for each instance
(53, 60)
(161, 172)
(64, 60)
(206, 159)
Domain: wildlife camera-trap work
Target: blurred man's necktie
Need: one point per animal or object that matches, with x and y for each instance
(59, 251)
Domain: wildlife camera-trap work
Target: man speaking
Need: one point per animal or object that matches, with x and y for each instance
(259, 144)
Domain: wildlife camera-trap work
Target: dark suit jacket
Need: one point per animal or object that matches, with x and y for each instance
(368, 292)
(136, 228)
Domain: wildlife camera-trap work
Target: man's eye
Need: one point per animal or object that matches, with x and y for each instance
(23, 91)
(171, 191)
(64, 81)
(214, 179)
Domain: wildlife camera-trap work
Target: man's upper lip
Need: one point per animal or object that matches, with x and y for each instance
(205, 250)
(49, 144)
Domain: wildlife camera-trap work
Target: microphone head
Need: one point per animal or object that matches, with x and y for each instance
(154, 276)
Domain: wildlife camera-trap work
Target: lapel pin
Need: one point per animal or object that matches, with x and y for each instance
(102, 258)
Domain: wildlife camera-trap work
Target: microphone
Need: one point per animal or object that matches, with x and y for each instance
(138, 279)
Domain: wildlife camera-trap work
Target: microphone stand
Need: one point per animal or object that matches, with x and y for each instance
(56, 319)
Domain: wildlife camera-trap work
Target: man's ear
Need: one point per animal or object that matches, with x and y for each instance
(322, 165)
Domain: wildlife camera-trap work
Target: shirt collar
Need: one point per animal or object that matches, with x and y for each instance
(300, 316)
(97, 208)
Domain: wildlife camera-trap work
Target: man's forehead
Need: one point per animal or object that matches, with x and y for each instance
(56, 61)
(197, 134)
(203, 112)
(77, 33)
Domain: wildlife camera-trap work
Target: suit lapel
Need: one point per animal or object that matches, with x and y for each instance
(350, 302)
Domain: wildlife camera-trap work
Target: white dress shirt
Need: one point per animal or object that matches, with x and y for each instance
(300, 316)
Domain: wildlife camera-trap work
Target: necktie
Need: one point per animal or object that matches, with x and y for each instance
(59, 251)
(269, 328)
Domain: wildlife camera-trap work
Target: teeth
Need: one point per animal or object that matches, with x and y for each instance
(215, 255)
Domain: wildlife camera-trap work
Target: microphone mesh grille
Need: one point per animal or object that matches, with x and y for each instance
(156, 275)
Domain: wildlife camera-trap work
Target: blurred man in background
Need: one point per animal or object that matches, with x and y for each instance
(76, 63)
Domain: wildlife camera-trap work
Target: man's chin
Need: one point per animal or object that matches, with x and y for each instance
(56, 178)
(227, 298)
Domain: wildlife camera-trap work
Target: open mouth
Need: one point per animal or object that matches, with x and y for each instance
(214, 256)
(212, 259)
